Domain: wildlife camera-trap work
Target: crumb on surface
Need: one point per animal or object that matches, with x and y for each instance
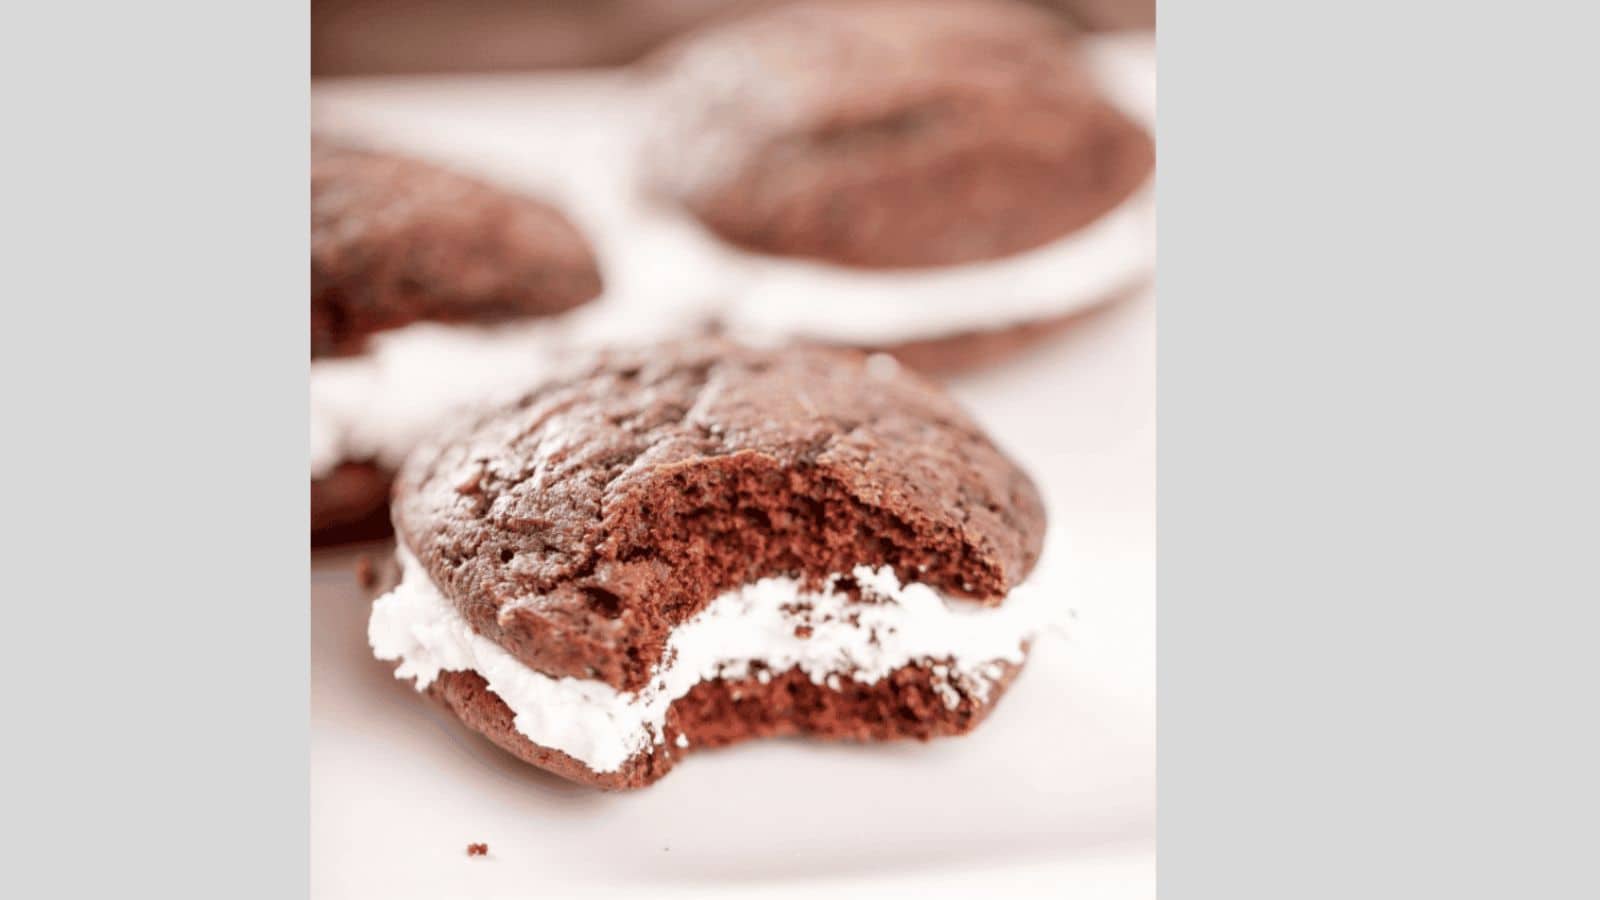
(477, 849)
(366, 572)
(882, 365)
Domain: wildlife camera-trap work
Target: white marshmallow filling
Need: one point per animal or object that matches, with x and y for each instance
(780, 298)
(747, 632)
(378, 405)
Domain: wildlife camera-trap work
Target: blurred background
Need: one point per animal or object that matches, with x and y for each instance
(376, 37)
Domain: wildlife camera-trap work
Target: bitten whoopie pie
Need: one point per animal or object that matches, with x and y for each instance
(900, 172)
(698, 543)
(401, 248)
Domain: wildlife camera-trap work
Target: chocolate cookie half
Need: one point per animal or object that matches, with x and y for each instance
(899, 172)
(422, 282)
(698, 543)
(396, 240)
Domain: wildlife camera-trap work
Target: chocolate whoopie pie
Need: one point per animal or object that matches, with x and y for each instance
(398, 242)
(886, 133)
(941, 169)
(699, 543)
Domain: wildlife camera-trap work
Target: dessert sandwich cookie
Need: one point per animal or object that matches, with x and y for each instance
(902, 175)
(423, 285)
(689, 545)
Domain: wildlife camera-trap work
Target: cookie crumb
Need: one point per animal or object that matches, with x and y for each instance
(802, 631)
(366, 572)
(882, 365)
(477, 849)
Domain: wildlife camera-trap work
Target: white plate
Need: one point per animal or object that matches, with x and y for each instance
(1056, 791)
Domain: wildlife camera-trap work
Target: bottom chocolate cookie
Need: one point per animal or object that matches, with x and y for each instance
(918, 701)
(949, 317)
(971, 350)
(351, 503)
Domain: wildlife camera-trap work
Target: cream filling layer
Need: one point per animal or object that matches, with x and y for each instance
(776, 298)
(747, 632)
(380, 404)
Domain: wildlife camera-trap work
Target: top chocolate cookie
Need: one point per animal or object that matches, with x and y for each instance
(577, 527)
(891, 133)
(397, 240)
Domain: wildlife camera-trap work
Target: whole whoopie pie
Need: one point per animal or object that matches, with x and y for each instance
(901, 173)
(698, 543)
(400, 248)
